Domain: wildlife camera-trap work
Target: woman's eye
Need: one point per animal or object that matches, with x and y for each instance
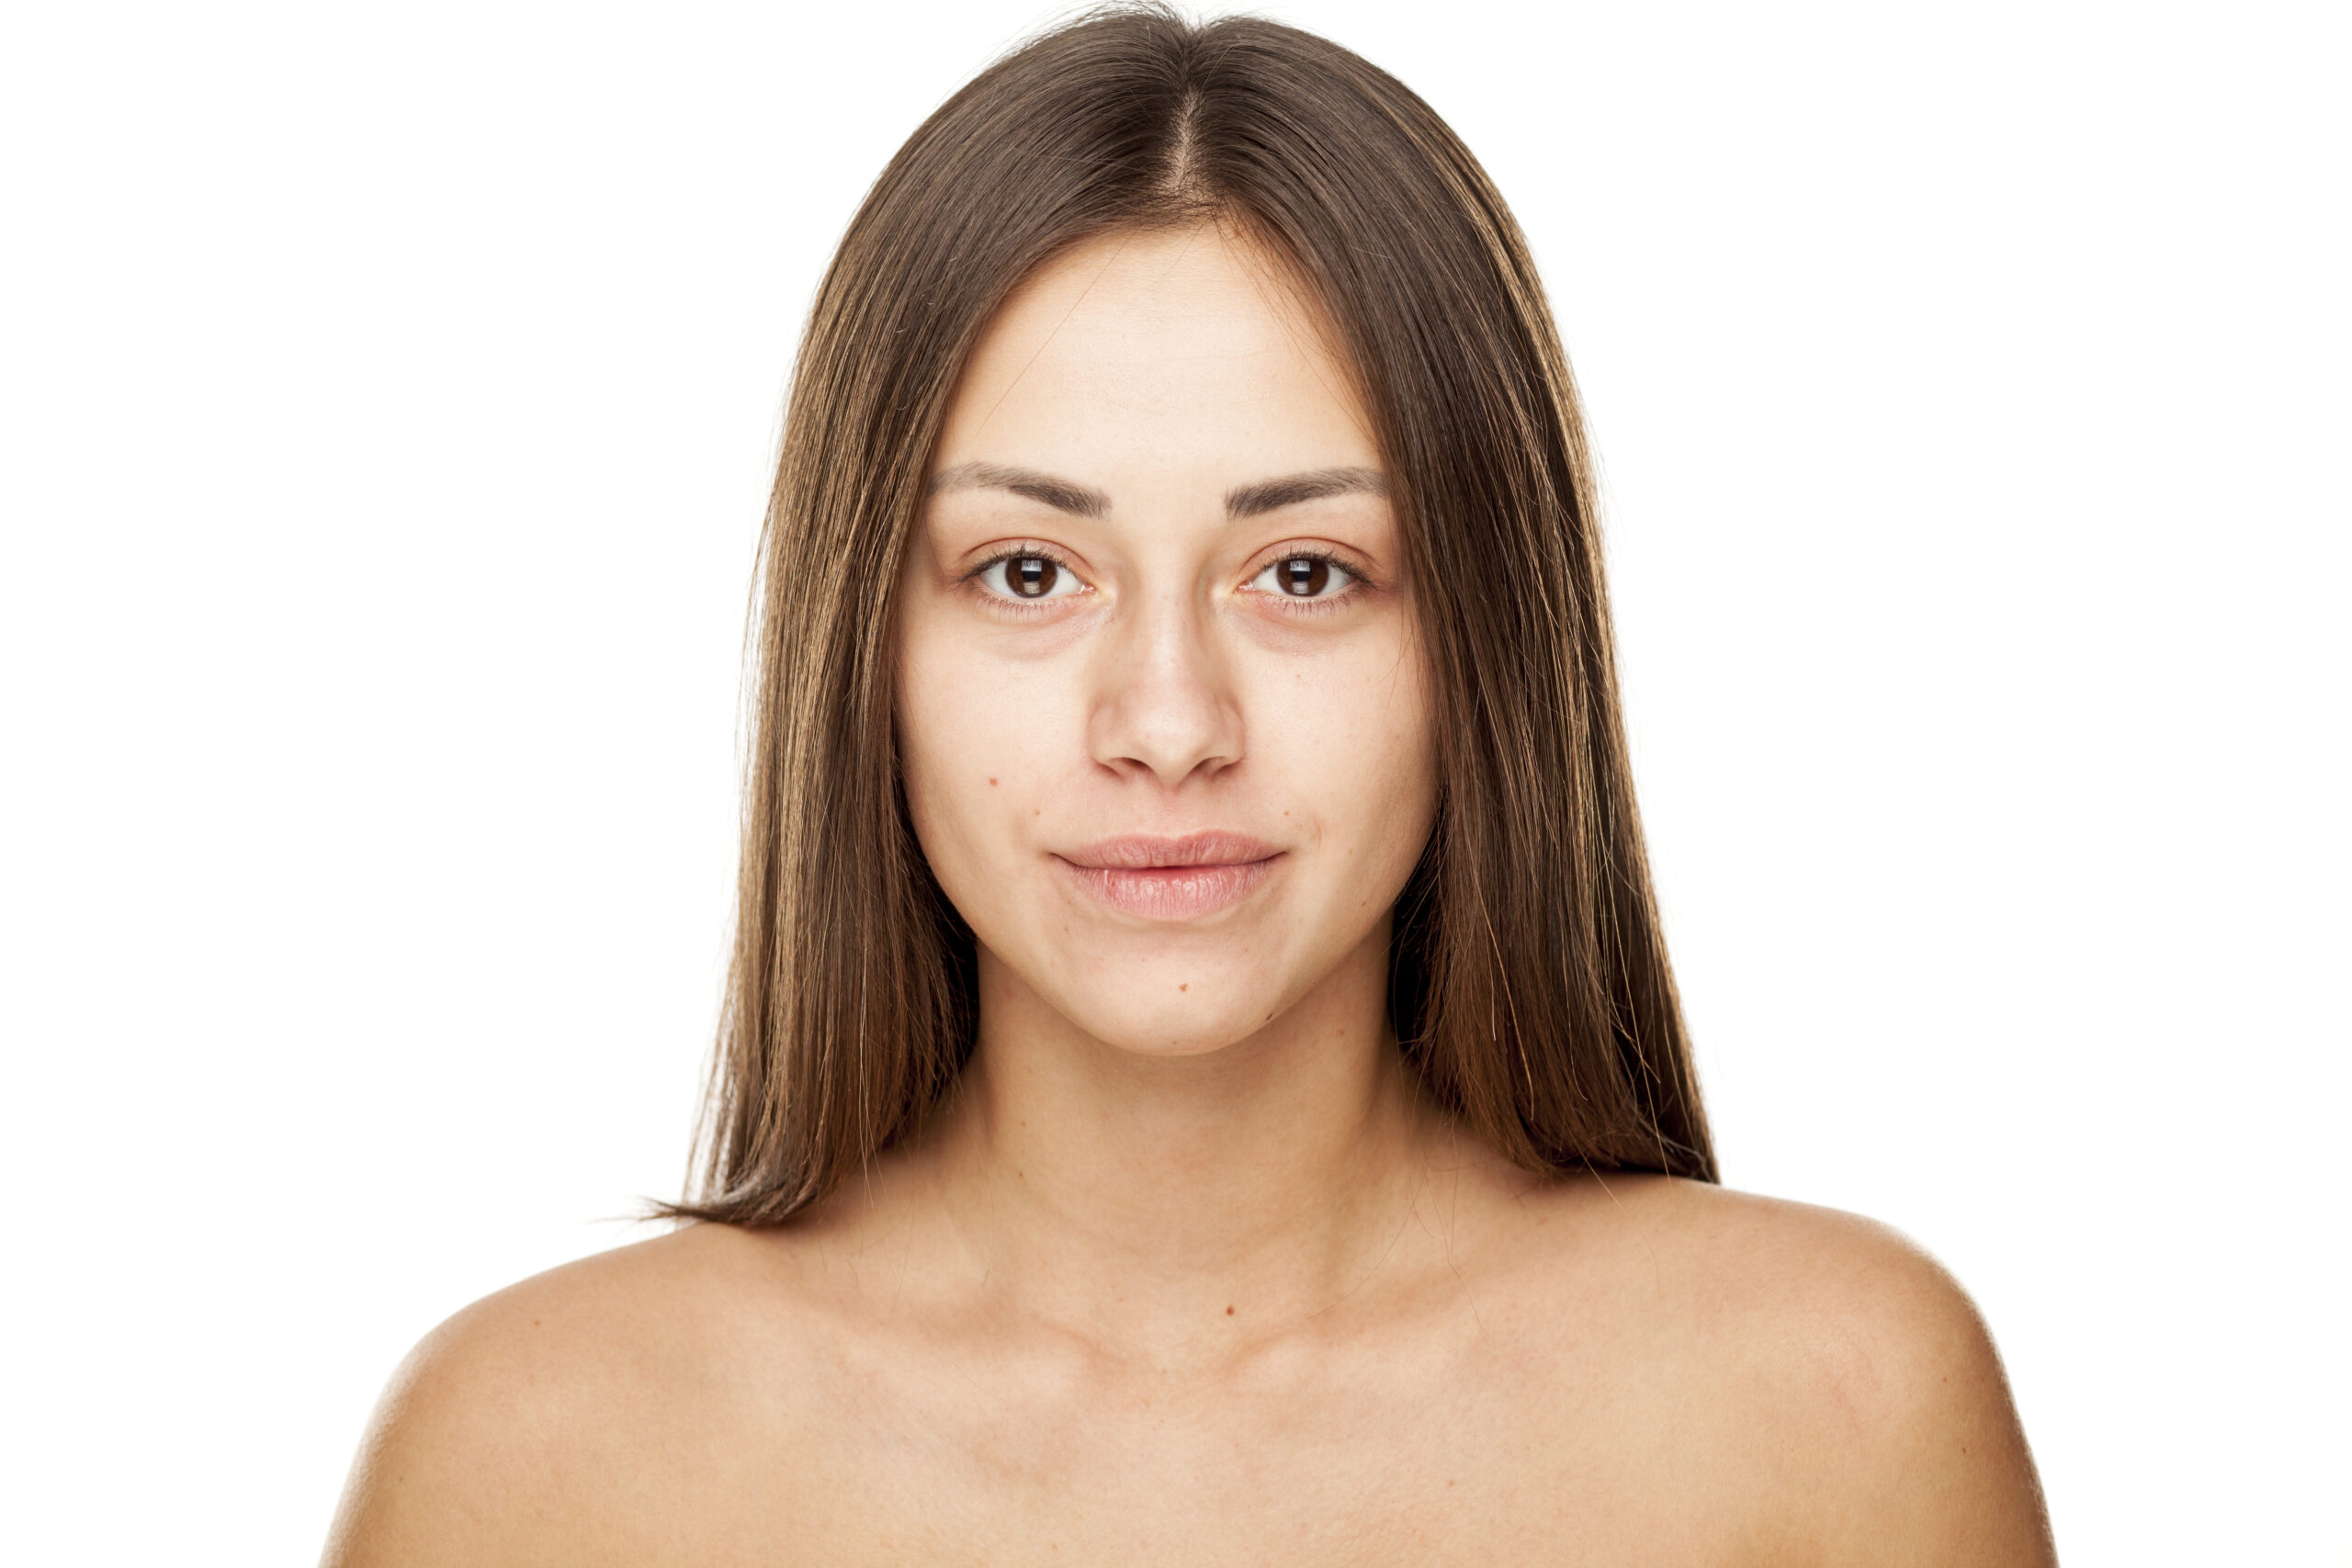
(1029, 578)
(1304, 577)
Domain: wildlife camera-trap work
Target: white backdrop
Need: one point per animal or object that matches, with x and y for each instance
(388, 397)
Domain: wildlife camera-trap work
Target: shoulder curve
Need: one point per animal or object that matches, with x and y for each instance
(1816, 1285)
(1870, 1364)
(493, 1437)
(1757, 1257)
(595, 1320)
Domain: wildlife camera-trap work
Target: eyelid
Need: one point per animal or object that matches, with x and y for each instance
(1013, 550)
(970, 578)
(1303, 549)
(1310, 549)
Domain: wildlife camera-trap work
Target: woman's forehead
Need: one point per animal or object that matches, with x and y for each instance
(1178, 343)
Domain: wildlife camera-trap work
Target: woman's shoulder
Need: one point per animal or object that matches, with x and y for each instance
(610, 1327)
(1727, 1251)
(520, 1427)
(1818, 1349)
(1785, 1290)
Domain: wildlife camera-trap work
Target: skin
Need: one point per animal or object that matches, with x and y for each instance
(1187, 1270)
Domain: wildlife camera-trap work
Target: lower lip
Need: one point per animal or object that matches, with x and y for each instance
(1173, 892)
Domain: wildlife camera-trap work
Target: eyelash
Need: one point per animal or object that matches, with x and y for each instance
(1317, 607)
(972, 580)
(1293, 607)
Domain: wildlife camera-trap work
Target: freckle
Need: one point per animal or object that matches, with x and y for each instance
(991, 780)
(1228, 1312)
(1187, 986)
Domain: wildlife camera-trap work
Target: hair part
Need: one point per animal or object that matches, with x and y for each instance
(1529, 981)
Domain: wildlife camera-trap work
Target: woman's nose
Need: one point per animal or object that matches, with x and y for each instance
(1164, 704)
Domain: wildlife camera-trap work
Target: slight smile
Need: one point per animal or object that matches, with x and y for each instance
(1171, 879)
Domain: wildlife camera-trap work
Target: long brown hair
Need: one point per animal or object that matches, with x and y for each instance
(1529, 980)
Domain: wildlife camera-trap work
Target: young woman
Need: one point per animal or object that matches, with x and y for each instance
(1201, 1081)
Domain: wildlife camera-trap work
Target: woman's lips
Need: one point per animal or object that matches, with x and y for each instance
(1171, 879)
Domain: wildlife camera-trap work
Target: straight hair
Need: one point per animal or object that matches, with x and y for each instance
(1528, 985)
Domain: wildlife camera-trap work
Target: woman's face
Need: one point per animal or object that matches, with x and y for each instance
(1162, 711)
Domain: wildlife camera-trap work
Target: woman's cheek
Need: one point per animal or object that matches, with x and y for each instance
(942, 758)
(1351, 733)
(978, 745)
(1382, 767)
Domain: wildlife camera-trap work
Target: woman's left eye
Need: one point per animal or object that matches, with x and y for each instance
(1304, 577)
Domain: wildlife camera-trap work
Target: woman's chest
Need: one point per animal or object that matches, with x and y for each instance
(1394, 1454)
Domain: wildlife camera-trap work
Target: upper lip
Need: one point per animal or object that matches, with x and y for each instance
(1139, 852)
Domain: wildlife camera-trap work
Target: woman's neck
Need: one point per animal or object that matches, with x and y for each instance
(1141, 1200)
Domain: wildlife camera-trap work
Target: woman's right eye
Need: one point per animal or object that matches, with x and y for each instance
(1026, 579)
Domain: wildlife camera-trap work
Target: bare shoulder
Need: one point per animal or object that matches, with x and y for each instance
(537, 1423)
(1766, 1262)
(1844, 1372)
(1821, 1307)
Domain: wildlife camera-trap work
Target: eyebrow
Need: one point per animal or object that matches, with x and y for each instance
(1267, 495)
(1246, 500)
(1062, 495)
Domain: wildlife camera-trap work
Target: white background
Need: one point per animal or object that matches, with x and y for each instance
(387, 395)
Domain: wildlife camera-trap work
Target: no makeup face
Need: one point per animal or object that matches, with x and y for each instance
(1162, 709)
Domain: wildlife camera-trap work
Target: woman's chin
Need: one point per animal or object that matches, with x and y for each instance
(1189, 1025)
(1191, 995)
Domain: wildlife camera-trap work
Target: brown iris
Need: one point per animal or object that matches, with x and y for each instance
(1303, 577)
(1030, 577)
